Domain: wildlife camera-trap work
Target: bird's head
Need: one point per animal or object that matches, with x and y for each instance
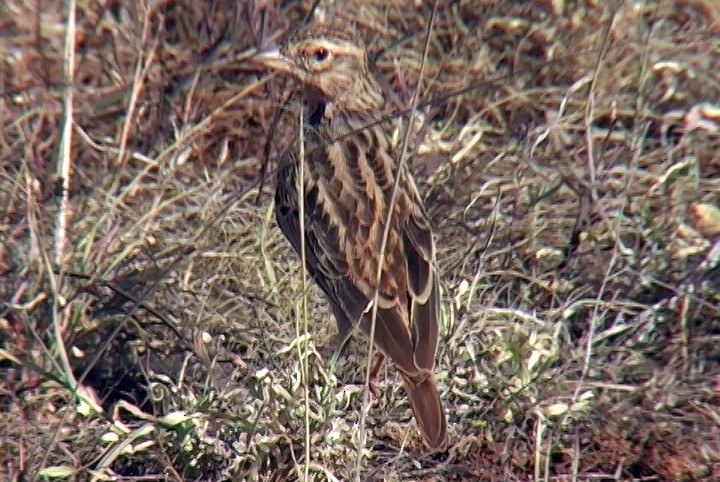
(329, 59)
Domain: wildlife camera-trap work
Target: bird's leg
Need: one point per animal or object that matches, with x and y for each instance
(379, 362)
(345, 331)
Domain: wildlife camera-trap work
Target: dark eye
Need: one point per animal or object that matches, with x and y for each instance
(321, 54)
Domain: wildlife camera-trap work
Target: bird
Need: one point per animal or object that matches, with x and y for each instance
(350, 168)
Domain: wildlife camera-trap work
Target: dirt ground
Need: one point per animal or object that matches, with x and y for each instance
(152, 318)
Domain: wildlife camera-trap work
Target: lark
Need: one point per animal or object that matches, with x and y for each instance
(350, 166)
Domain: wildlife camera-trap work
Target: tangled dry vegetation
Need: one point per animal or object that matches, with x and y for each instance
(152, 325)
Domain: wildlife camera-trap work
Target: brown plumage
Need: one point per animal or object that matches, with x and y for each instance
(349, 172)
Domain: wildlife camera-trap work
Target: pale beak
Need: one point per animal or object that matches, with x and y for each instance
(274, 60)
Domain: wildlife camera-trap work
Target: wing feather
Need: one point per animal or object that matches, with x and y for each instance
(341, 242)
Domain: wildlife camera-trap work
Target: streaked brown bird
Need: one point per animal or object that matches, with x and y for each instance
(349, 172)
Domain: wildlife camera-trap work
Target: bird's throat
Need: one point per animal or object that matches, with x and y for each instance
(317, 113)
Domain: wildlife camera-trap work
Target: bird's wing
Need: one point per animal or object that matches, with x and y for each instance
(407, 329)
(324, 262)
(423, 289)
(341, 253)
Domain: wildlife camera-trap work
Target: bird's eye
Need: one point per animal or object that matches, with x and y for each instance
(321, 54)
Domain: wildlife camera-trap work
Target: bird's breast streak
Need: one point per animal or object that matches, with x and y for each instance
(354, 182)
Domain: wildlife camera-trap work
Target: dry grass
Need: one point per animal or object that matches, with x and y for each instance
(571, 165)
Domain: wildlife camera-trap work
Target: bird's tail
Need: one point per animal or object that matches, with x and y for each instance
(428, 410)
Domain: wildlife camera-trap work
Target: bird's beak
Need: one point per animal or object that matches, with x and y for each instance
(274, 60)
